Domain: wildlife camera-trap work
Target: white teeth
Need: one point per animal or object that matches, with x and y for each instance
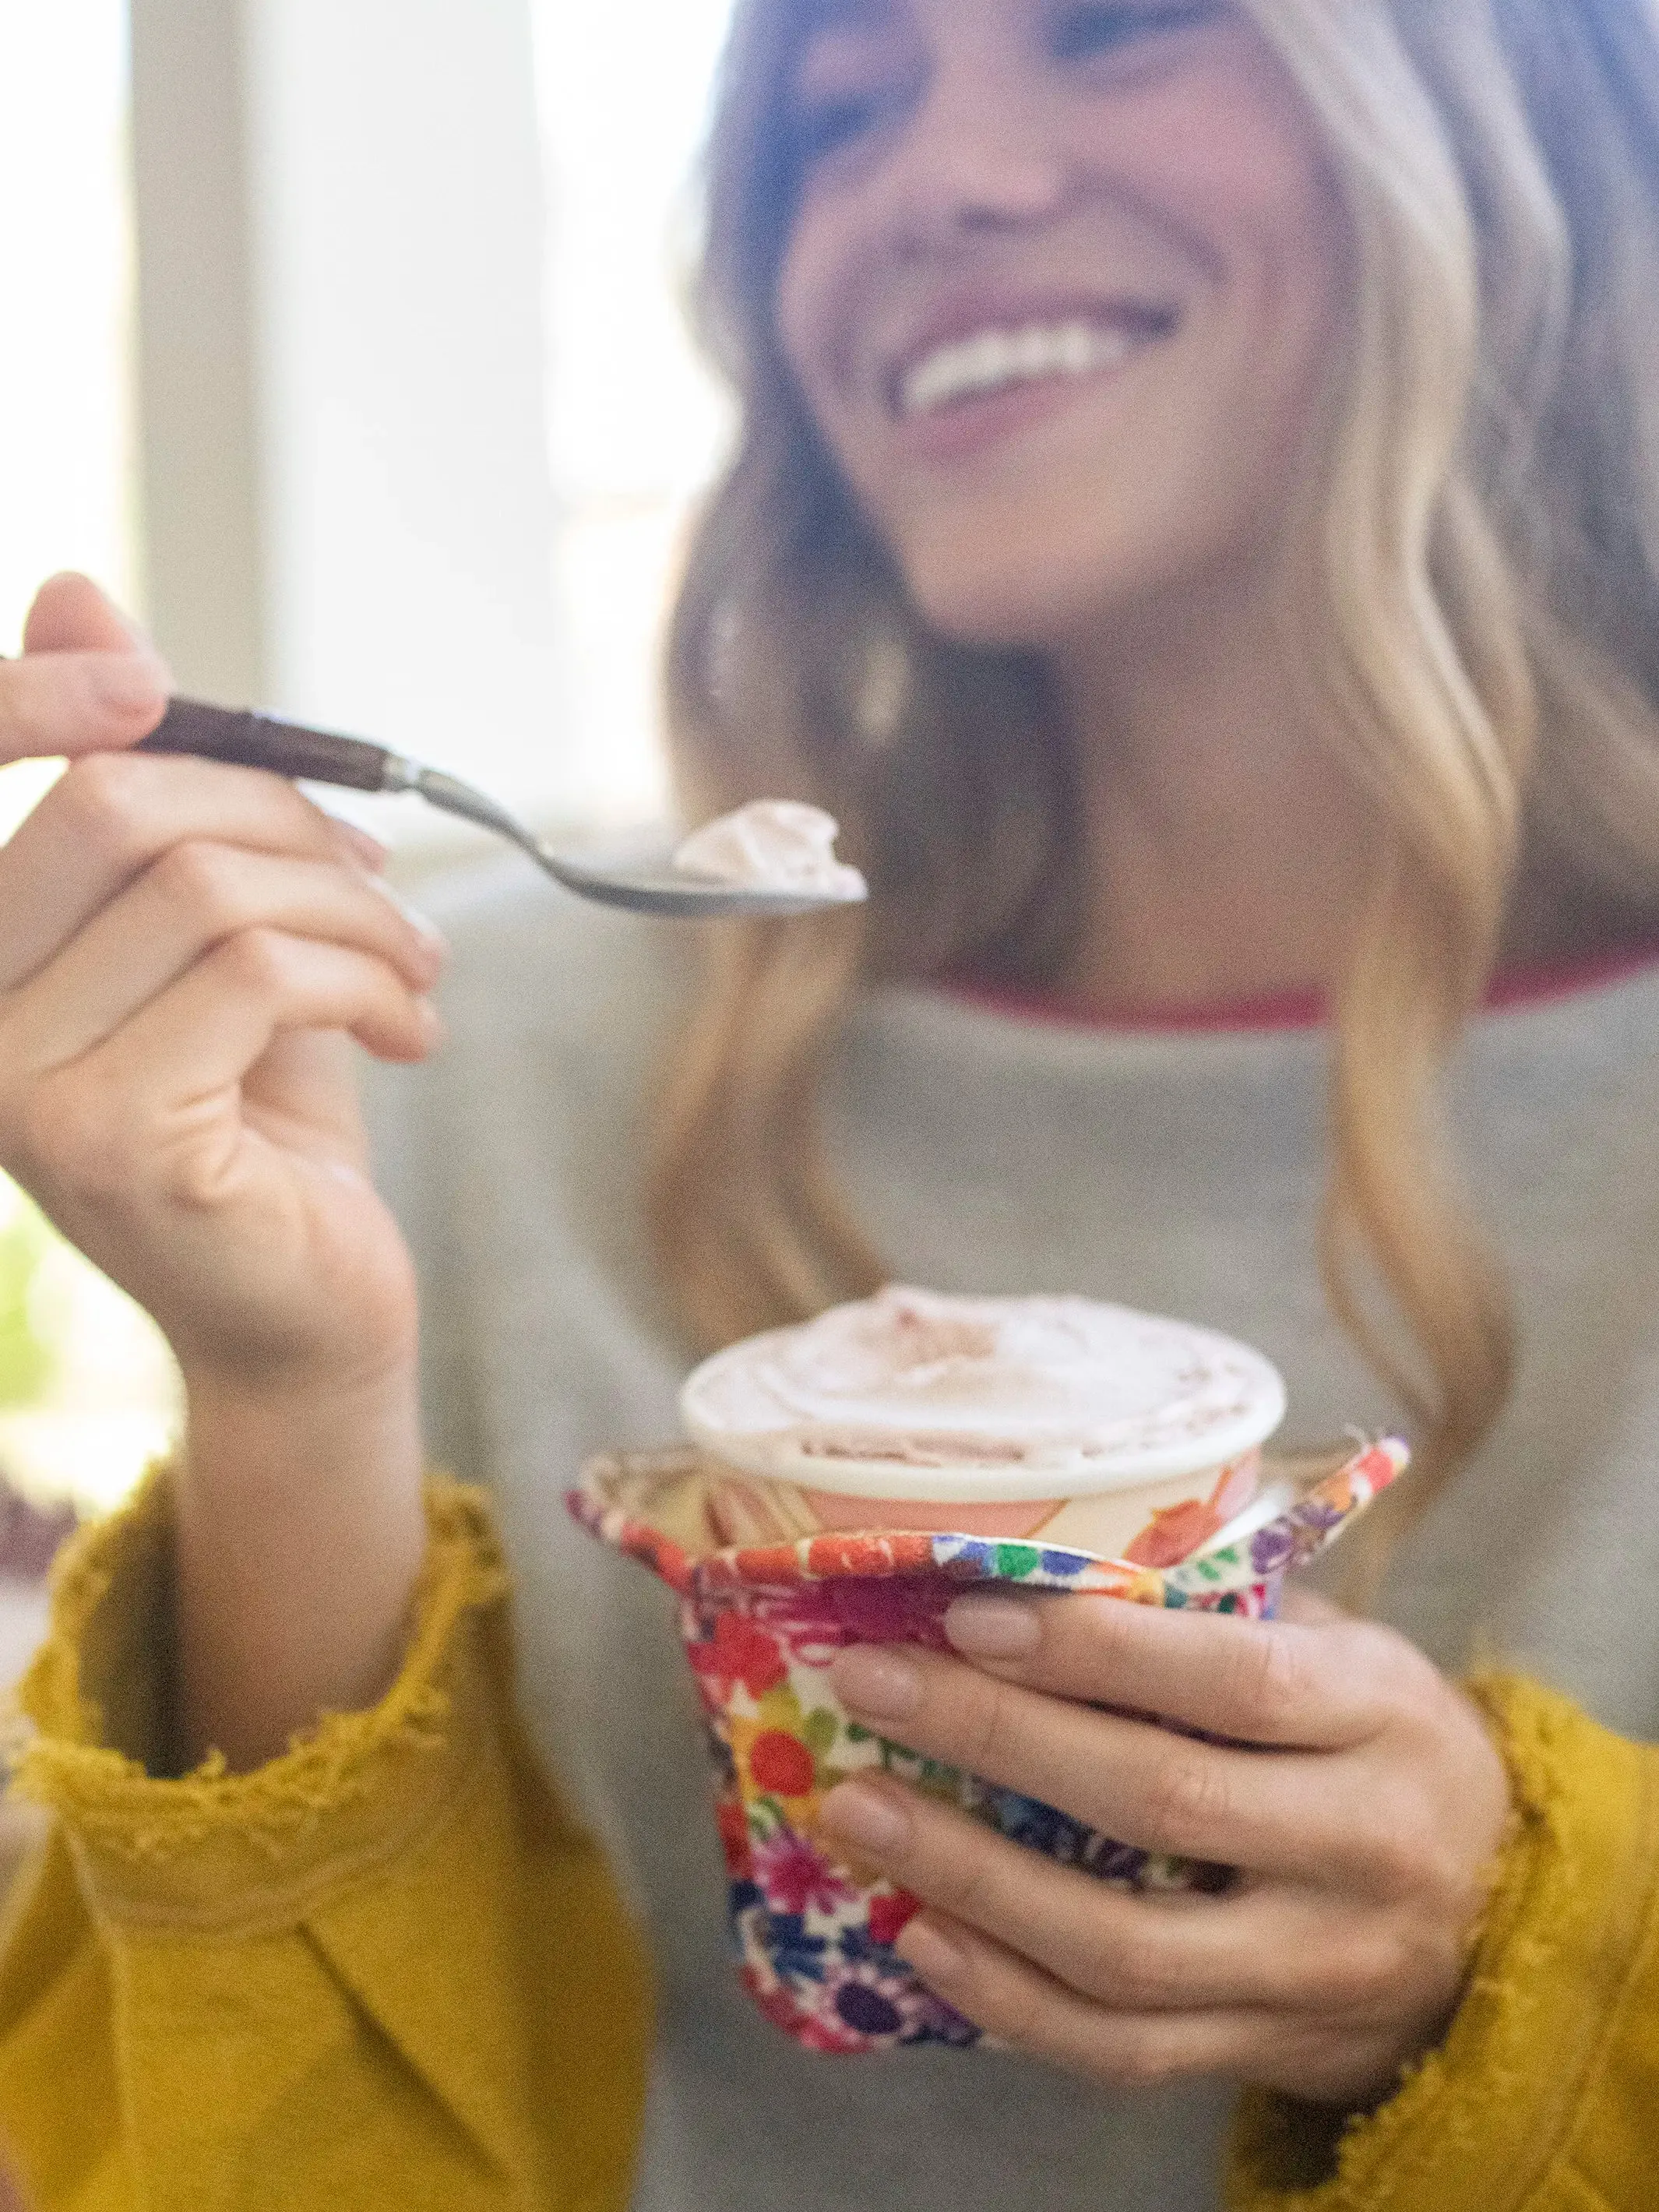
(992, 359)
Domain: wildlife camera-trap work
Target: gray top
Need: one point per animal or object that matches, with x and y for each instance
(1175, 1171)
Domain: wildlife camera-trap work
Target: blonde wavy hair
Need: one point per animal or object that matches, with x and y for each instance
(1477, 616)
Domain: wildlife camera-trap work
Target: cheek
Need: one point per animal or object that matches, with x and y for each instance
(1030, 564)
(812, 310)
(790, 311)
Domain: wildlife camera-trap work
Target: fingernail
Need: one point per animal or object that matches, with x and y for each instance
(932, 1952)
(877, 1682)
(868, 1819)
(993, 1627)
(129, 681)
(427, 930)
(369, 850)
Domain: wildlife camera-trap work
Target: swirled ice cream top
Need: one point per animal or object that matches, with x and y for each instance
(913, 1394)
(772, 845)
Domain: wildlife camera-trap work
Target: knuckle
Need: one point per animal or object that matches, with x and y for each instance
(102, 794)
(1019, 2013)
(1410, 1854)
(1277, 1671)
(192, 1179)
(1392, 1854)
(258, 961)
(964, 1883)
(1361, 1971)
(1109, 1626)
(1132, 1965)
(1137, 2058)
(203, 882)
(990, 1729)
(1398, 1671)
(1188, 1798)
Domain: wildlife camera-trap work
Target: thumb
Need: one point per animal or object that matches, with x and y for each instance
(88, 682)
(71, 614)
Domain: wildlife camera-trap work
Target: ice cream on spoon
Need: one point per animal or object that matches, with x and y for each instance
(772, 845)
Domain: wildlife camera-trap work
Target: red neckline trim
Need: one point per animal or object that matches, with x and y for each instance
(1543, 985)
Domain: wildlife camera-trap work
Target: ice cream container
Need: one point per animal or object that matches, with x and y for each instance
(1121, 1433)
(814, 1934)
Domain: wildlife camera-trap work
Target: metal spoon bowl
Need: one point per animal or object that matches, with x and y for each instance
(641, 882)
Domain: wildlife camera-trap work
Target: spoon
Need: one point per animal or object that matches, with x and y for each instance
(651, 884)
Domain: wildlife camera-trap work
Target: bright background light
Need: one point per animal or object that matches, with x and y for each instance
(106, 1404)
(635, 425)
(65, 250)
(66, 472)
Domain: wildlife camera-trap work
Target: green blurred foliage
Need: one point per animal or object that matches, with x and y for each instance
(26, 1361)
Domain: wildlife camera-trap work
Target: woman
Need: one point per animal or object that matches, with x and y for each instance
(1195, 524)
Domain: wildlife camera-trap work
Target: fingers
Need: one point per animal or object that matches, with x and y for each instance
(88, 679)
(1270, 1812)
(221, 1017)
(1319, 1685)
(112, 816)
(1271, 1945)
(216, 1021)
(129, 1116)
(1019, 2005)
(1311, 2055)
(197, 896)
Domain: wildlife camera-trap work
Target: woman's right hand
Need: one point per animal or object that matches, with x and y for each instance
(182, 947)
(186, 950)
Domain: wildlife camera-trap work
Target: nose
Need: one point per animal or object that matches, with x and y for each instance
(977, 157)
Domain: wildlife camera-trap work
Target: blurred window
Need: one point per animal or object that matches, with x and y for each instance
(66, 472)
(85, 1387)
(636, 426)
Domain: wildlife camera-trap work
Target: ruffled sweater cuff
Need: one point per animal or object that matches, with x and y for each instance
(1542, 2091)
(210, 1848)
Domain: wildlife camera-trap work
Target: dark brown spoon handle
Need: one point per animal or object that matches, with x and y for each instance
(245, 740)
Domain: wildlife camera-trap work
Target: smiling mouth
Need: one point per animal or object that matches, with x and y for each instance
(987, 362)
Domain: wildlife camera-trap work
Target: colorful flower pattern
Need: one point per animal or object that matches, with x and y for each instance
(814, 1937)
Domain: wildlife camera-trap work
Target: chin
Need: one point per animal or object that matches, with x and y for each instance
(1037, 581)
(1018, 600)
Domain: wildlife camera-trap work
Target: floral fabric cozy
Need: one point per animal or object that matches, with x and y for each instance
(815, 1935)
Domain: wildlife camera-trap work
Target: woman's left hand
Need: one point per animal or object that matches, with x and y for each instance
(1359, 1795)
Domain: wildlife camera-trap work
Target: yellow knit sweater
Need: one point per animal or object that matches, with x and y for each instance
(386, 1969)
